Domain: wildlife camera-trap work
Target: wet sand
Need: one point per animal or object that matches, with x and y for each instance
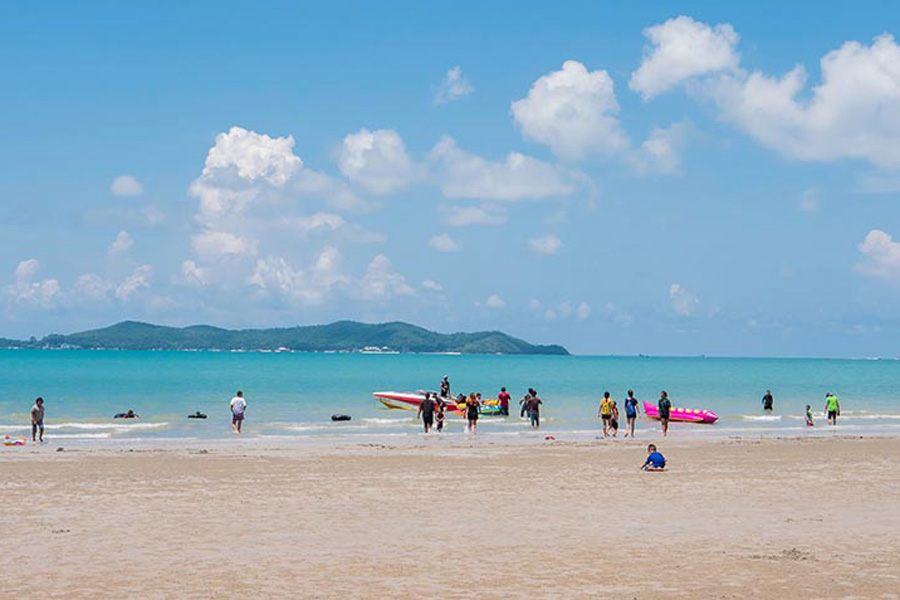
(816, 518)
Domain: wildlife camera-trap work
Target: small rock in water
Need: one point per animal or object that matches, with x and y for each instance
(60, 449)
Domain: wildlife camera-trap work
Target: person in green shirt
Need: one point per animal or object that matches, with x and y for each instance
(832, 408)
(665, 405)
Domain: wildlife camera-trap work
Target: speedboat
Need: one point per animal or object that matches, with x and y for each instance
(412, 400)
(686, 415)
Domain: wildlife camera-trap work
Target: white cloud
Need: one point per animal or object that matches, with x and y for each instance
(881, 256)
(661, 151)
(382, 282)
(302, 226)
(444, 243)
(546, 244)
(194, 274)
(139, 278)
(809, 200)
(213, 245)
(376, 160)
(453, 86)
(465, 175)
(683, 301)
(494, 301)
(583, 311)
(462, 216)
(573, 111)
(683, 48)
(93, 289)
(26, 290)
(274, 276)
(616, 314)
(122, 244)
(534, 304)
(851, 113)
(334, 192)
(126, 185)
(432, 285)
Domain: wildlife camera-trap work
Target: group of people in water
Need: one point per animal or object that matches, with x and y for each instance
(832, 408)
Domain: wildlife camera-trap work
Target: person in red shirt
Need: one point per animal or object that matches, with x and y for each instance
(504, 399)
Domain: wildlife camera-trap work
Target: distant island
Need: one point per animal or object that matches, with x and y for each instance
(342, 336)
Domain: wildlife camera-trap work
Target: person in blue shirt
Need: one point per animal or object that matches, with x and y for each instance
(631, 412)
(655, 461)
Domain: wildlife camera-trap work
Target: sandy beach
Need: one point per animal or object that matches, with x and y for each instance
(774, 518)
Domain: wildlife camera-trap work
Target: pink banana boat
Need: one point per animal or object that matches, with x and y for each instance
(687, 415)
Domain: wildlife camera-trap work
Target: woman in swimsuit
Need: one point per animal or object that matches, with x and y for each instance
(472, 405)
(439, 416)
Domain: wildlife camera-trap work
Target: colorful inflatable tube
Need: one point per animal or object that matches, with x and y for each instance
(686, 415)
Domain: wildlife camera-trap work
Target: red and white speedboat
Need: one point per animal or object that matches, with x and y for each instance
(400, 400)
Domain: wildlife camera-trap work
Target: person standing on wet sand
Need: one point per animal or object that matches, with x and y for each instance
(665, 406)
(238, 407)
(426, 412)
(605, 412)
(631, 413)
(37, 420)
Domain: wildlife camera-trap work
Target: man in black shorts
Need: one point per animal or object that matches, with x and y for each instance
(426, 411)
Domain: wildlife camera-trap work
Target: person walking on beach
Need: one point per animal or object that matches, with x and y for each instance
(809, 416)
(439, 415)
(832, 407)
(534, 409)
(614, 419)
(665, 405)
(605, 412)
(238, 407)
(504, 399)
(472, 406)
(37, 420)
(523, 403)
(768, 401)
(426, 411)
(631, 413)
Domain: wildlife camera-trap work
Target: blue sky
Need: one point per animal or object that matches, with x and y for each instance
(654, 177)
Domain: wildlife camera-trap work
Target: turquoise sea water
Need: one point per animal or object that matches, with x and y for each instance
(294, 394)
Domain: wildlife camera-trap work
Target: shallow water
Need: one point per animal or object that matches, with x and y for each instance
(294, 394)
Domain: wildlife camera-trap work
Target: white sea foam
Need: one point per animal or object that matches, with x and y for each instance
(115, 426)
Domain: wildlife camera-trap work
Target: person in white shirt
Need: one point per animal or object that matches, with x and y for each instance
(238, 406)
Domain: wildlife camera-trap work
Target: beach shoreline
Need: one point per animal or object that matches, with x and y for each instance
(759, 518)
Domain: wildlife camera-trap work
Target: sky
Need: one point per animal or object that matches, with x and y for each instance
(666, 178)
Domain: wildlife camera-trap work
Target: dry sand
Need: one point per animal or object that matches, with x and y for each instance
(731, 519)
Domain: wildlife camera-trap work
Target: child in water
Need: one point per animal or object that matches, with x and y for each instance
(809, 417)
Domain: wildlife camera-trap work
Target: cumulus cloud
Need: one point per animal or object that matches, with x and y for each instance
(546, 244)
(881, 256)
(213, 245)
(126, 185)
(193, 274)
(682, 300)
(494, 301)
(430, 284)
(573, 111)
(382, 282)
(444, 243)
(462, 216)
(28, 290)
(519, 177)
(851, 113)
(139, 278)
(275, 276)
(453, 86)
(334, 192)
(122, 244)
(376, 160)
(680, 49)
(661, 151)
(583, 311)
(90, 288)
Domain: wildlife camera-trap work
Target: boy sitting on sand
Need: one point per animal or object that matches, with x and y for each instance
(655, 461)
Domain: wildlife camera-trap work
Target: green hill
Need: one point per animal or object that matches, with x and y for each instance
(339, 336)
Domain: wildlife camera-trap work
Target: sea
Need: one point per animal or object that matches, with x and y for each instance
(292, 396)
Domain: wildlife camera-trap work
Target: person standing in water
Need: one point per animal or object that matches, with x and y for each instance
(631, 413)
(37, 420)
(605, 412)
(534, 409)
(440, 415)
(809, 416)
(238, 407)
(768, 401)
(472, 406)
(504, 399)
(665, 405)
(445, 387)
(523, 403)
(832, 407)
(426, 411)
(614, 419)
